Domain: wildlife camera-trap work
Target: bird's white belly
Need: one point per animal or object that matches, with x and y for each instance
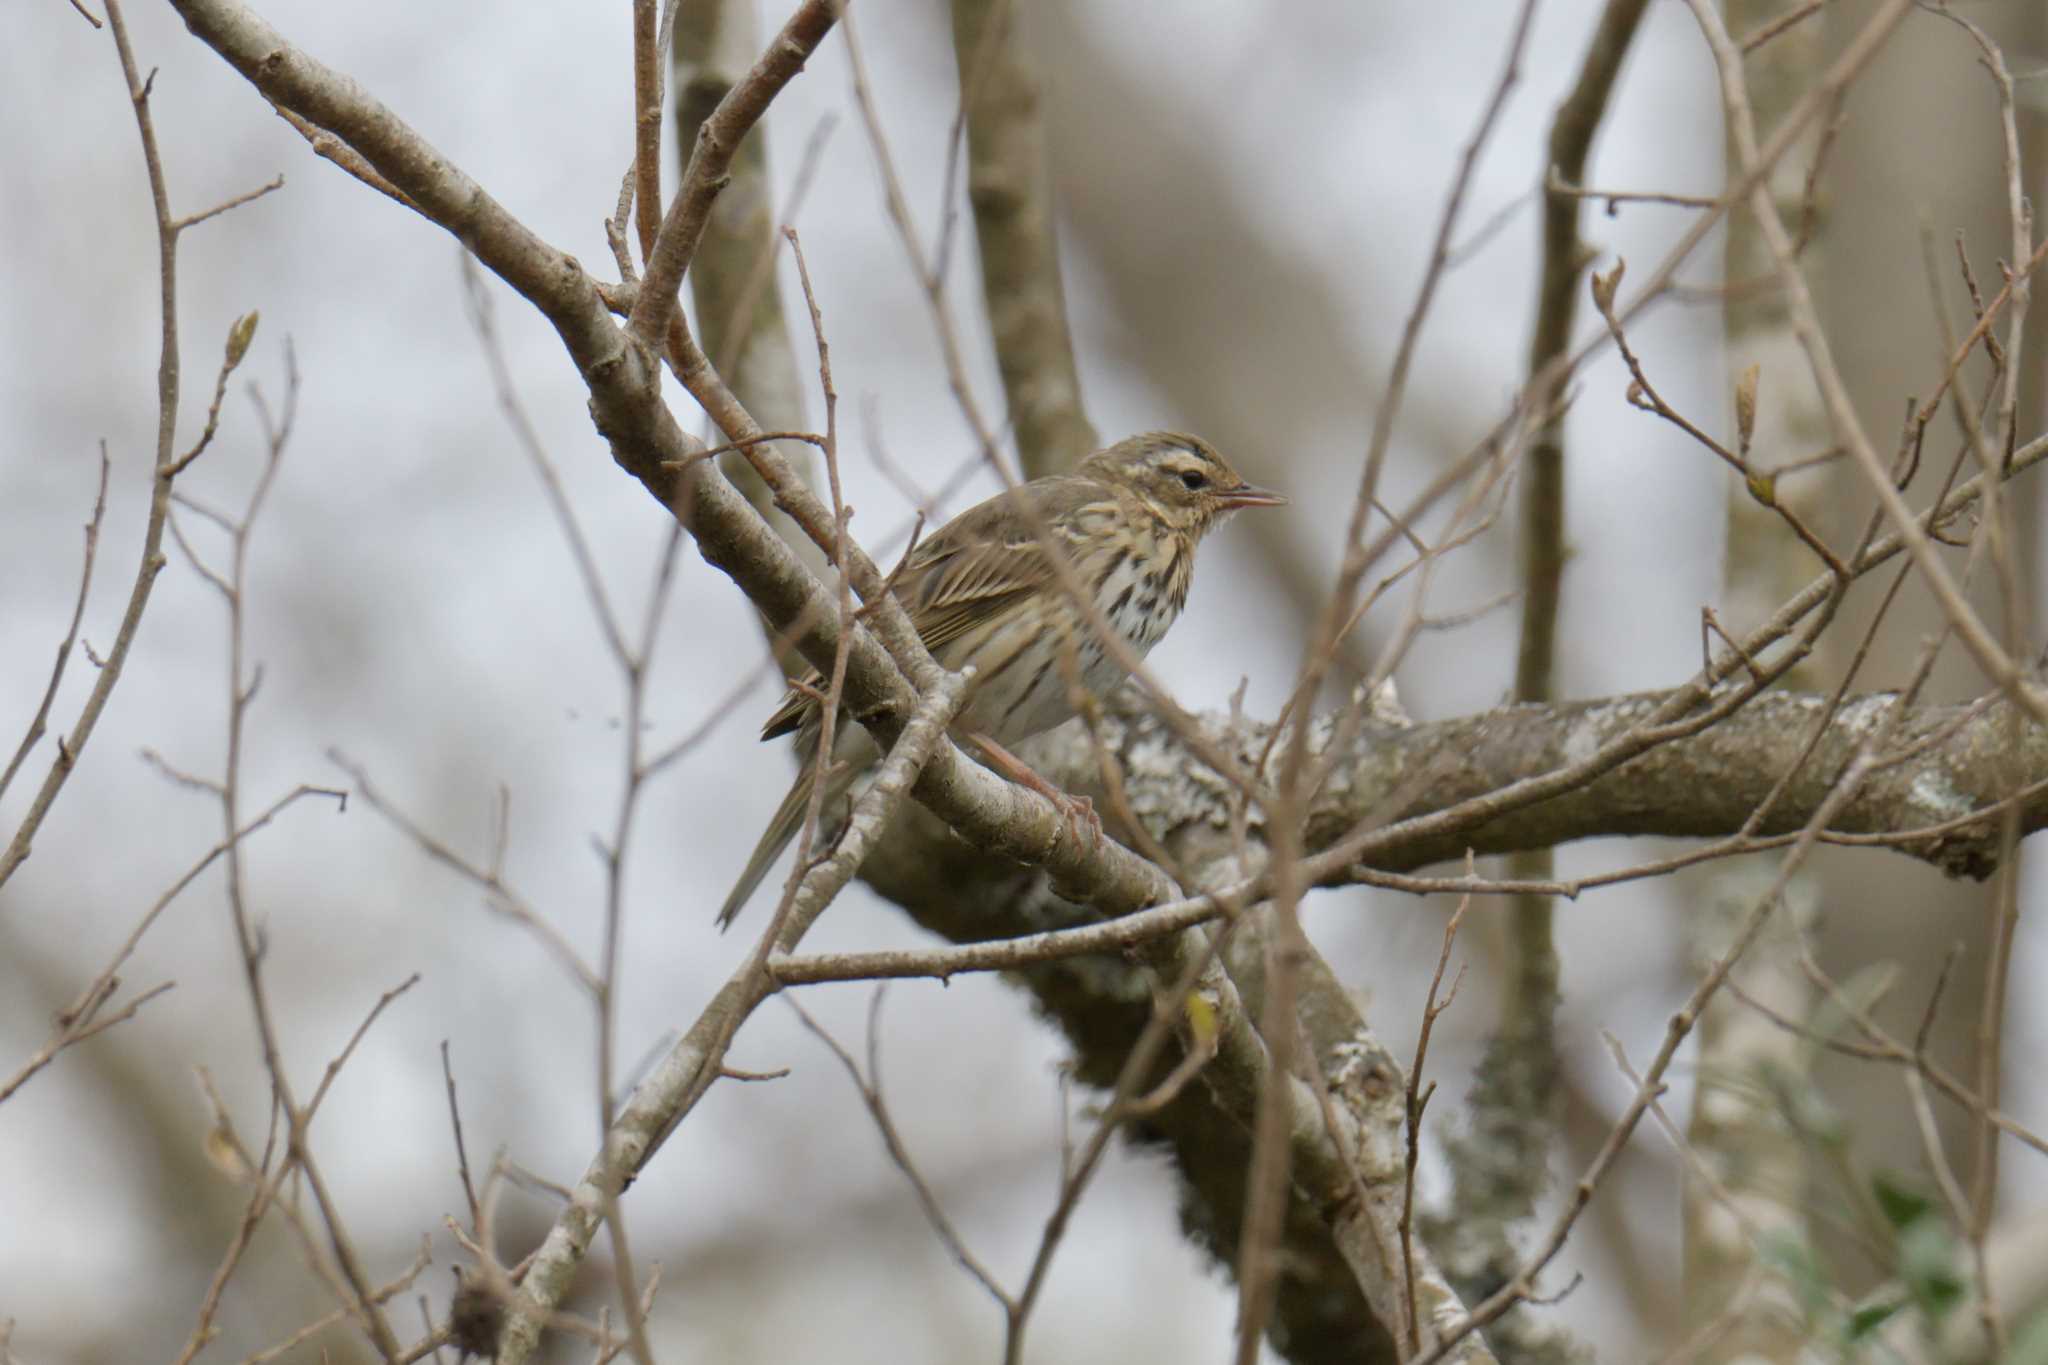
(1017, 697)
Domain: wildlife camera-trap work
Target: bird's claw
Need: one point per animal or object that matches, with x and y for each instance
(1079, 816)
(1077, 812)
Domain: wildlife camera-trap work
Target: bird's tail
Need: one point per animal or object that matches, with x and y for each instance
(789, 818)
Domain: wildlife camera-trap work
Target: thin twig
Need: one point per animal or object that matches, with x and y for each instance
(461, 1149)
(38, 723)
(164, 468)
(870, 1088)
(1418, 1100)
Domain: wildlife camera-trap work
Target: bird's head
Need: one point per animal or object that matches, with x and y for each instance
(1180, 477)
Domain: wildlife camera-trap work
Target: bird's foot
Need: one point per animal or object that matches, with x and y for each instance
(1079, 811)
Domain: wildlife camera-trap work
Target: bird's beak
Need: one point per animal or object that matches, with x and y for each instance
(1250, 495)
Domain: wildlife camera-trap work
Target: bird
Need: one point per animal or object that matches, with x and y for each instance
(982, 590)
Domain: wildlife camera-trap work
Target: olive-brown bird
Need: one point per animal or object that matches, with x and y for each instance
(983, 591)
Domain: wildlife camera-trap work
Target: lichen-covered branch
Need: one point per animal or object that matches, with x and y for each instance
(1936, 797)
(1705, 786)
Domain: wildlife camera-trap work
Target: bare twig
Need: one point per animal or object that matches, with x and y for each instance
(164, 468)
(39, 722)
(646, 125)
(235, 202)
(499, 895)
(482, 316)
(2009, 674)
(717, 143)
(870, 1088)
(332, 148)
(461, 1149)
(1418, 1100)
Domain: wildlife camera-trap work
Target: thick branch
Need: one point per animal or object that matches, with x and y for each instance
(1706, 786)
(1936, 797)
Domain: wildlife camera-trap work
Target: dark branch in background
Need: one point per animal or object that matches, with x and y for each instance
(1500, 1158)
(1011, 193)
(1565, 258)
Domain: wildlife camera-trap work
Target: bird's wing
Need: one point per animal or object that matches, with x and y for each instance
(987, 558)
(982, 561)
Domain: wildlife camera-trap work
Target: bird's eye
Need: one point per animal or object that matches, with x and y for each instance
(1194, 480)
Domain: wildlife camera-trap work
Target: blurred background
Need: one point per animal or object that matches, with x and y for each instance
(1247, 200)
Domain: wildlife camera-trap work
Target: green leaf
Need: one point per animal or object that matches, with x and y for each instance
(1870, 1317)
(1902, 1205)
(1931, 1266)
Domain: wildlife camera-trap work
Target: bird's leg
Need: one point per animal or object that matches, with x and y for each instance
(1079, 810)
